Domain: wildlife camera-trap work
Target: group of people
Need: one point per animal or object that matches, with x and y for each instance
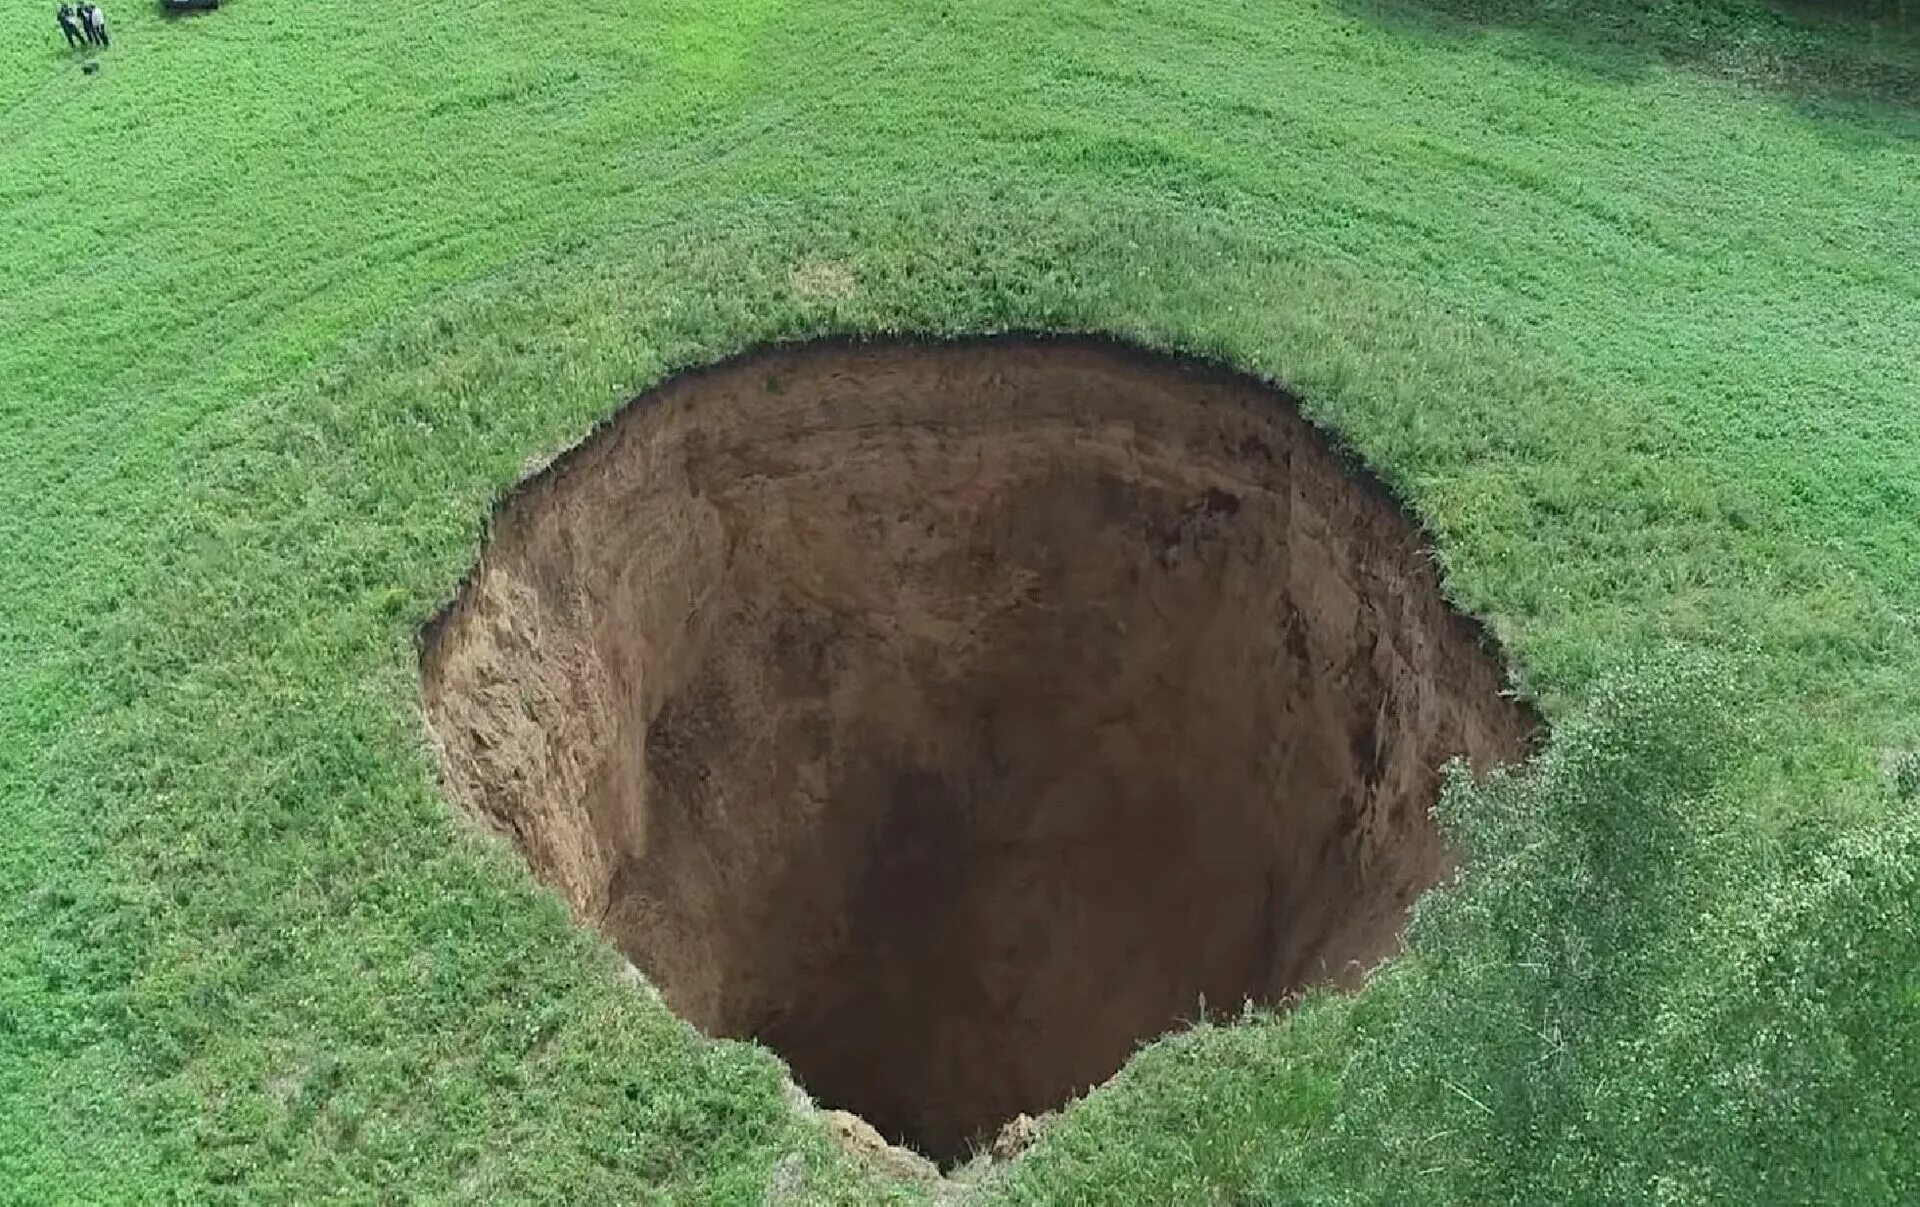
(85, 27)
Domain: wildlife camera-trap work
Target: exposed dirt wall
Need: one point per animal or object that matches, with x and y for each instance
(954, 718)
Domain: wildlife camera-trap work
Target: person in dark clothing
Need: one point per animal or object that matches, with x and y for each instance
(92, 24)
(70, 26)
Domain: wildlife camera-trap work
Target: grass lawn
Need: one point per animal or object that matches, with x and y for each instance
(1625, 302)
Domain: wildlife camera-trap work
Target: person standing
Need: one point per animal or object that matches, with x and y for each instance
(97, 24)
(70, 26)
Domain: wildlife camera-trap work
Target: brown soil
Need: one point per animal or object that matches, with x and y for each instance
(952, 719)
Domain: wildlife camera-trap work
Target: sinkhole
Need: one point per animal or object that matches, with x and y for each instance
(953, 718)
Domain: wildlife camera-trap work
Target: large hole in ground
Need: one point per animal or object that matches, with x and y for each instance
(954, 718)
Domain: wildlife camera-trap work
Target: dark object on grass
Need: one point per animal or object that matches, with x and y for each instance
(90, 67)
(188, 6)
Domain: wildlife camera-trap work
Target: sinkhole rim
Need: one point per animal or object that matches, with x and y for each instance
(507, 513)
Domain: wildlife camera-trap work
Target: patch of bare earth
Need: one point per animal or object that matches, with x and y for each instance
(954, 718)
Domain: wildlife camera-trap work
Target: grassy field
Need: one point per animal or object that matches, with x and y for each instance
(1626, 301)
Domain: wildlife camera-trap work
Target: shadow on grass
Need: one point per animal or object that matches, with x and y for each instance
(1807, 50)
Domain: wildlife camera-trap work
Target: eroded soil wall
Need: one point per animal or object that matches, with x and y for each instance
(954, 718)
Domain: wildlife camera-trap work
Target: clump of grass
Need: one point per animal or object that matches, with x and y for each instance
(1636, 990)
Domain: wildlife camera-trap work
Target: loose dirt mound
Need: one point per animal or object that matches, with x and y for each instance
(952, 719)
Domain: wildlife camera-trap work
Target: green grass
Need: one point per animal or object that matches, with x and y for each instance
(292, 291)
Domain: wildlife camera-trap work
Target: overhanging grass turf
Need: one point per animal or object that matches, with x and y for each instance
(291, 290)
